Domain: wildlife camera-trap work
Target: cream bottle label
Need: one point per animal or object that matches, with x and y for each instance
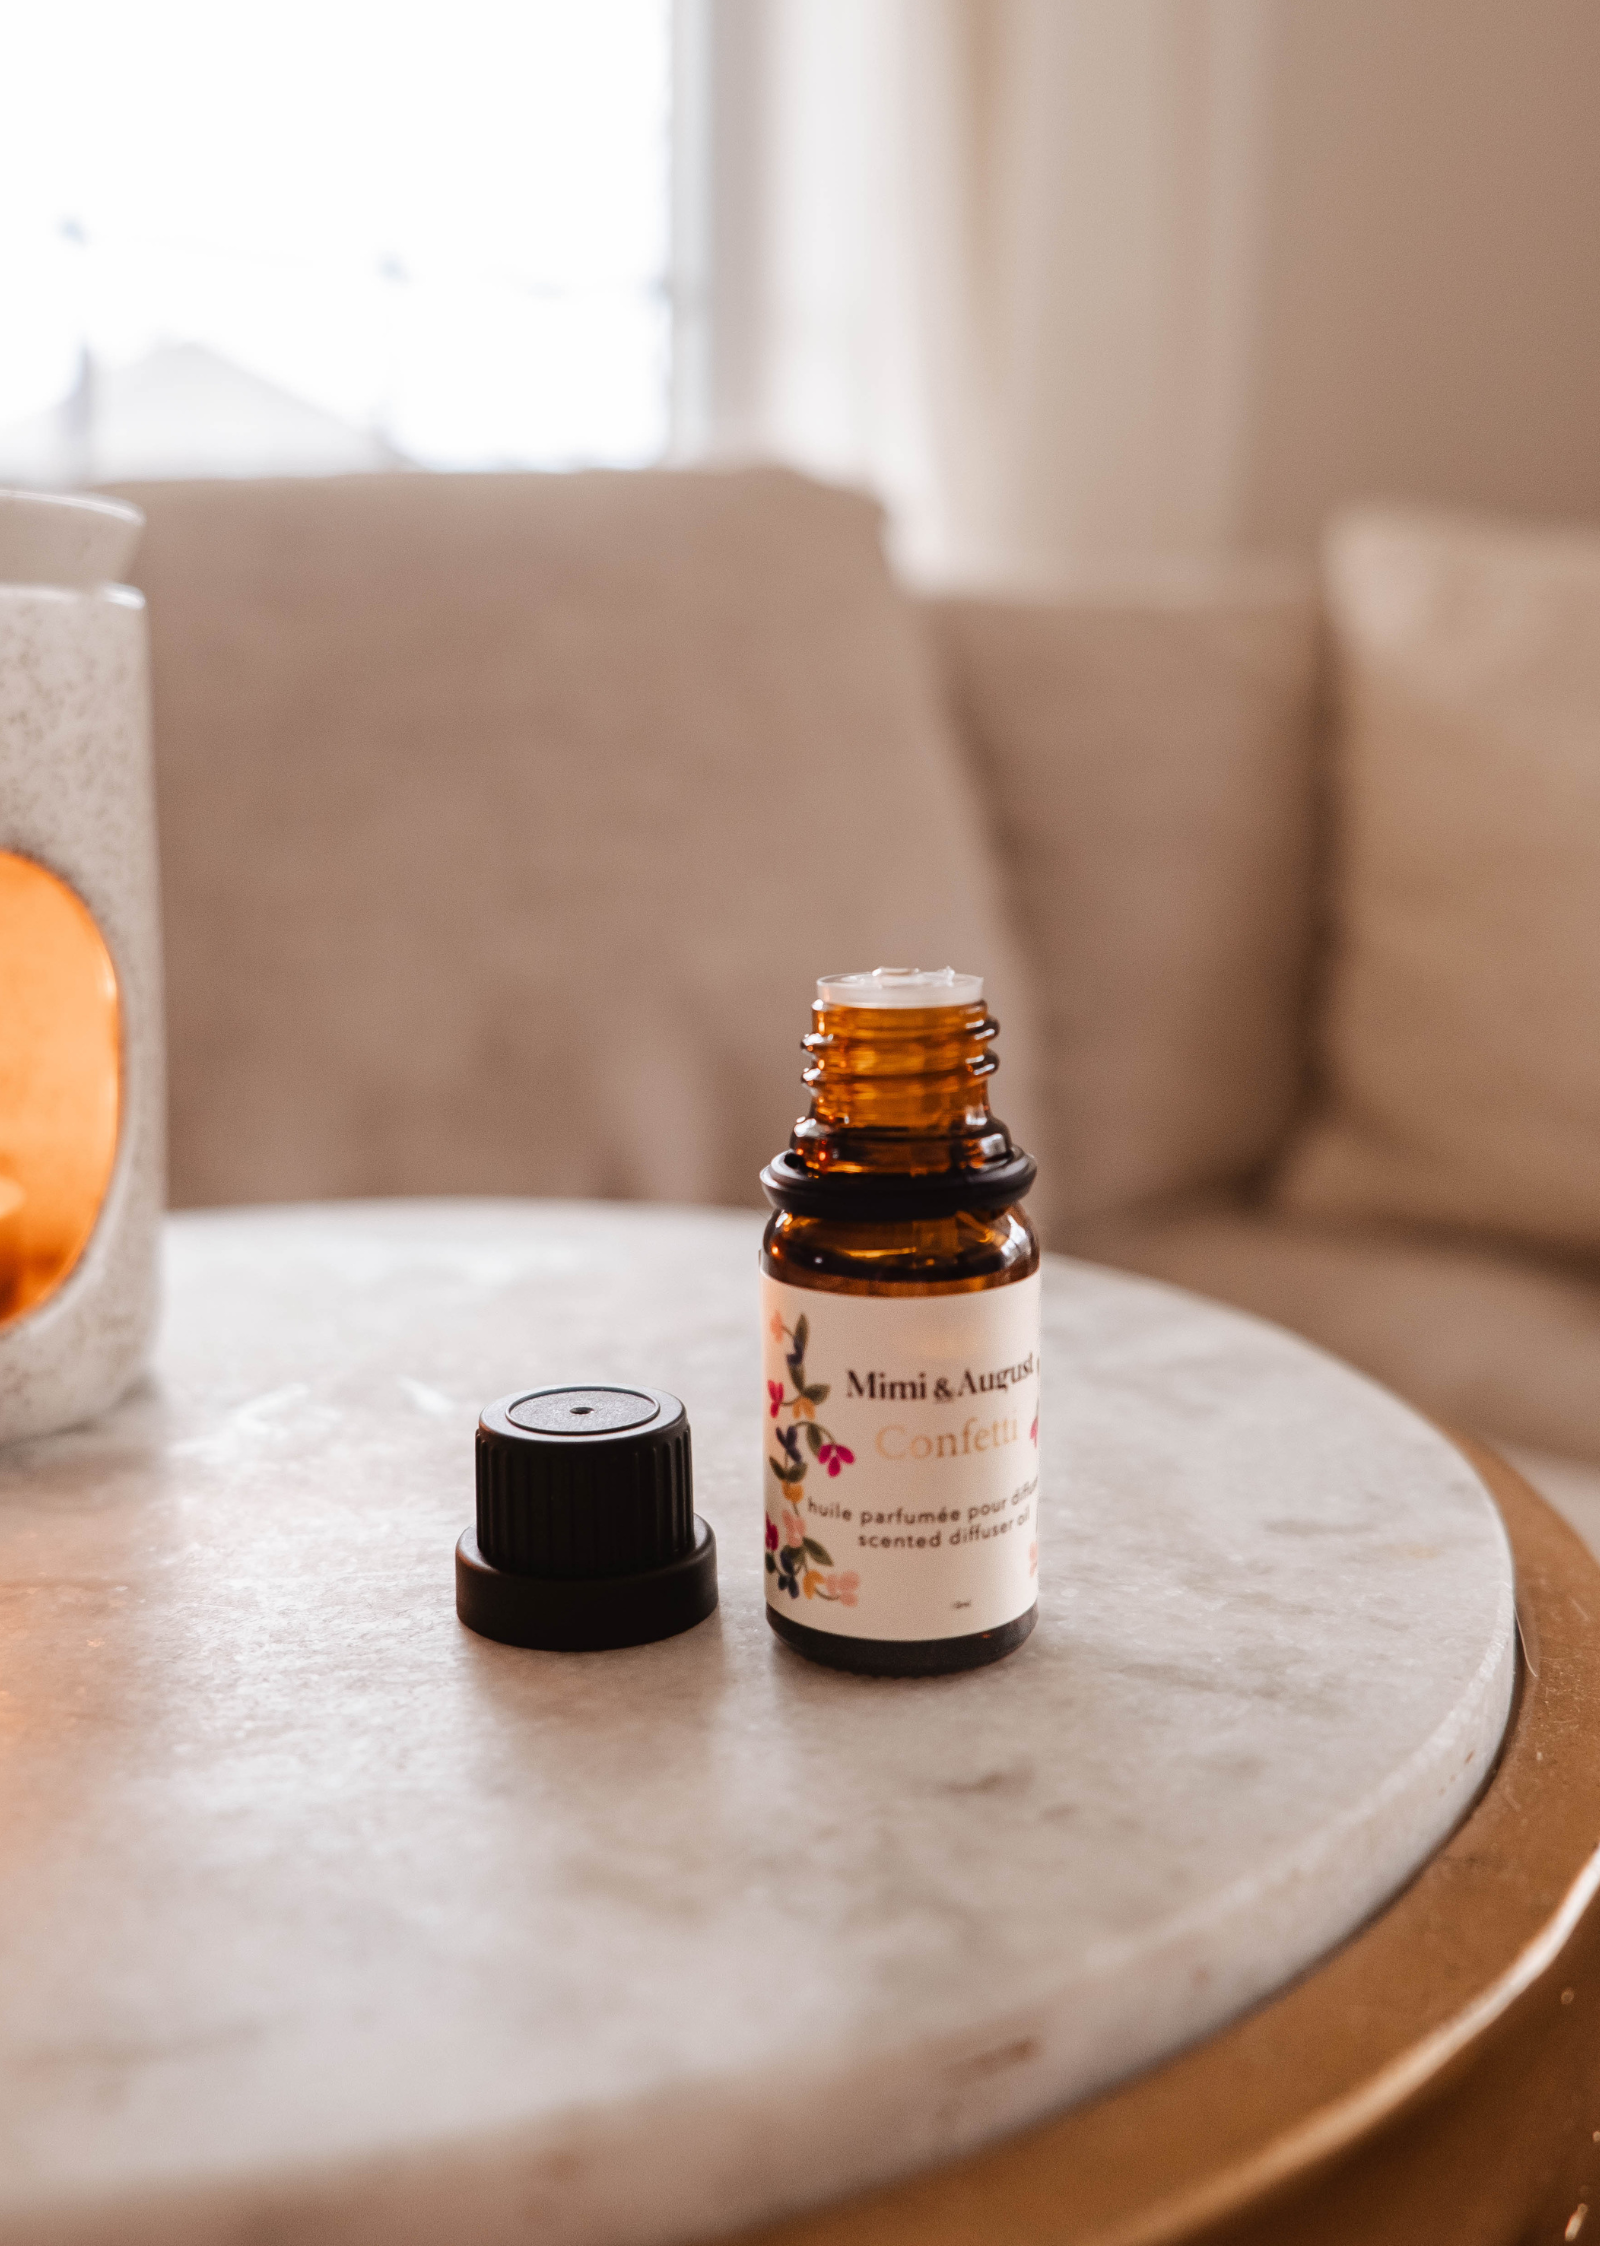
(902, 1459)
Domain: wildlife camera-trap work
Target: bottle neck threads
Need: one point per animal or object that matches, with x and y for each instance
(899, 1091)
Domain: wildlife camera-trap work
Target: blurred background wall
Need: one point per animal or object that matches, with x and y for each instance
(1081, 280)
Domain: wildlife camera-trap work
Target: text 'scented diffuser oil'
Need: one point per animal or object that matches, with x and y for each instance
(900, 1320)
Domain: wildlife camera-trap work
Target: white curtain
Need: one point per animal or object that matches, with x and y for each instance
(996, 258)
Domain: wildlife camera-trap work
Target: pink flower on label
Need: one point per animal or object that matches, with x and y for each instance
(794, 1529)
(775, 1326)
(843, 1588)
(775, 1397)
(772, 1534)
(1033, 1431)
(1033, 1559)
(834, 1455)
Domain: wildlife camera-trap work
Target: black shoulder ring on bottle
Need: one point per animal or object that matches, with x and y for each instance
(890, 1197)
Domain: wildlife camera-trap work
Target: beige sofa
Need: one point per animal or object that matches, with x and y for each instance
(506, 821)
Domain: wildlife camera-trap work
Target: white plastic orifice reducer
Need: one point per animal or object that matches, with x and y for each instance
(901, 986)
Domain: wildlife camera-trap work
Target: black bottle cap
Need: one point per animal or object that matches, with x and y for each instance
(587, 1535)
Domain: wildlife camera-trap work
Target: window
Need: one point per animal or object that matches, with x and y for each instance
(333, 234)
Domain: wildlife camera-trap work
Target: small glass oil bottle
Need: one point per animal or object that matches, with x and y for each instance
(900, 1333)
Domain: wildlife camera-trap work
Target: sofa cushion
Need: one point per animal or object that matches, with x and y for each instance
(1462, 1037)
(1500, 1344)
(1147, 759)
(506, 822)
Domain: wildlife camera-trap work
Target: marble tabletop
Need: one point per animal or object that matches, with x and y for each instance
(321, 1918)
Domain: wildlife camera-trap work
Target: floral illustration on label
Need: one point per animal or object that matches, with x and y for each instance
(796, 1559)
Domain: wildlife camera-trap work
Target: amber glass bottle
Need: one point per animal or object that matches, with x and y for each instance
(900, 1314)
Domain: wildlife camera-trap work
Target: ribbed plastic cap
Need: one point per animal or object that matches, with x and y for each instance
(587, 1535)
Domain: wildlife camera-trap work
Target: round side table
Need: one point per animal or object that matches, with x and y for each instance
(321, 1917)
(1436, 2079)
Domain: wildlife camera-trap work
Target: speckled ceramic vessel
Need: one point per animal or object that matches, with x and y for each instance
(76, 793)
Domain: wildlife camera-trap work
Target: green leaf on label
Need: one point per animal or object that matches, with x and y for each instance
(797, 1472)
(824, 1559)
(814, 1438)
(802, 1333)
(772, 1565)
(817, 1394)
(779, 1468)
